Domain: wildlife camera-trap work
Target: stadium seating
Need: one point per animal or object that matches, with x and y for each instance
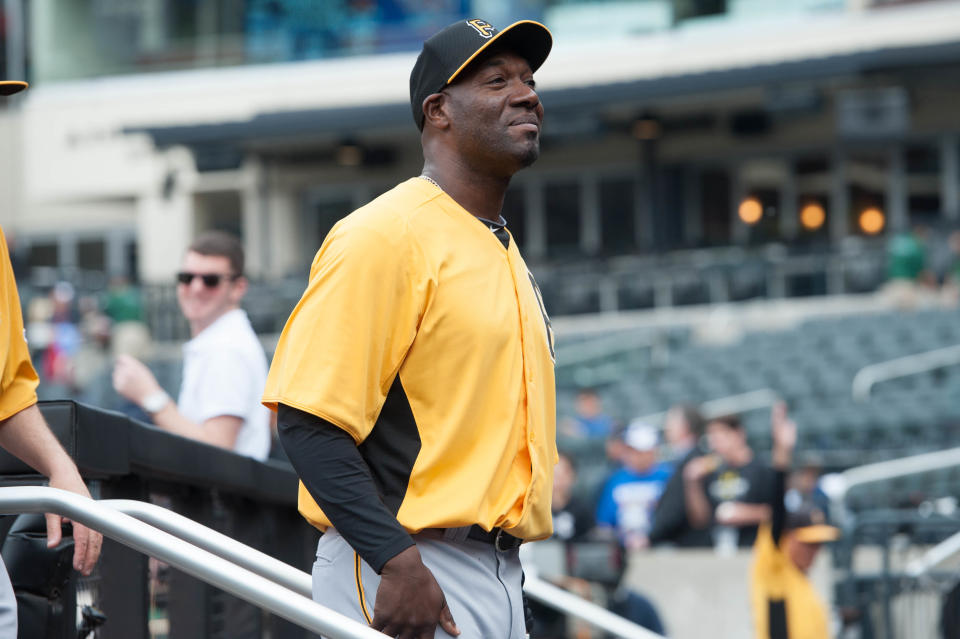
(812, 367)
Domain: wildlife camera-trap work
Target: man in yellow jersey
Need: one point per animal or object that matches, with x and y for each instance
(23, 431)
(414, 380)
(785, 604)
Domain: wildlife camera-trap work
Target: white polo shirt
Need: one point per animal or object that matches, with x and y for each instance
(224, 372)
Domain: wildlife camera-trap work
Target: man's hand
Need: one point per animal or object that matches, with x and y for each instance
(86, 542)
(410, 604)
(133, 380)
(783, 431)
(699, 467)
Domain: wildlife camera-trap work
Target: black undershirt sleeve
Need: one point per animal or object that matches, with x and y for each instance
(777, 506)
(339, 480)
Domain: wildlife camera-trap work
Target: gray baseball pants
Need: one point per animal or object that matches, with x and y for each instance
(481, 584)
(8, 606)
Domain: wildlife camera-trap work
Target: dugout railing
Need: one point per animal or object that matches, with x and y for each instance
(892, 582)
(121, 458)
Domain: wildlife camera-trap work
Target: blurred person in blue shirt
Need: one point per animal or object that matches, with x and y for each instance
(630, 494)
(589, 421)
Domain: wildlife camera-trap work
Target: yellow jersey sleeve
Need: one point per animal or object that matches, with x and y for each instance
(346, 339)
(18, 380)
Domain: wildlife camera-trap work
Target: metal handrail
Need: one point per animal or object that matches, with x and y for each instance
(732, 404)
(868, 376)
(217, 543)
(180, 554)
(558, 598)
(597, 348)
(945, 550)
(840, 487)
(301, 582)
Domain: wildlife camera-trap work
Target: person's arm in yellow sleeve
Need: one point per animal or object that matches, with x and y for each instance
(23, 431)
(27, 436)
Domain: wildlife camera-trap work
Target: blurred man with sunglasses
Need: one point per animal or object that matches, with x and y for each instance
(224, 366)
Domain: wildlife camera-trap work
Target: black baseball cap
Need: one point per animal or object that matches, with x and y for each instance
(451, 50)
(9, 87)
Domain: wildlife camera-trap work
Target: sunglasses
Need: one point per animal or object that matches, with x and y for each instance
(210, 280)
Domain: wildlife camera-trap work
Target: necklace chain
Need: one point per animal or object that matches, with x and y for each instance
(430, 180)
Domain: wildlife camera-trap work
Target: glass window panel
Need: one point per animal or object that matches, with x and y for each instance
(44, 254)
(715, 206)
(617, 220)
(92, 255)
(562, 201)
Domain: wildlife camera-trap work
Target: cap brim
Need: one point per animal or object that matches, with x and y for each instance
(9, 87)
(528, 38)
(816, 534)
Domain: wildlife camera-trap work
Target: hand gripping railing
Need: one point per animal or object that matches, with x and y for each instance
(300, 582)
(202, 564)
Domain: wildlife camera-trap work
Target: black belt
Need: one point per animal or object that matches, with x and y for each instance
(498, 538)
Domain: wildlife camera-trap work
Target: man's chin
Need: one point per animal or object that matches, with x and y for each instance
(530, 155)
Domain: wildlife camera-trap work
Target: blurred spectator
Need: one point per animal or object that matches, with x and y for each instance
(124, 307)
(951, 276)
(122, 302)
(785, 604)
(589, 422)
(683, 428)
(224, 366)
(728, 489)
(58, 358)
(910, 281)
(804, 492)
(572, 517)
(592, 568)
(630, 494)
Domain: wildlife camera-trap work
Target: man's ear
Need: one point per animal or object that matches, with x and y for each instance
(240, 286)
(435, 111)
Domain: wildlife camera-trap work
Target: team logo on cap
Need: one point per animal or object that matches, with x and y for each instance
(485, 29)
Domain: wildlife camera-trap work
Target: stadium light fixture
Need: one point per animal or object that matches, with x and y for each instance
(812, 216)
(872, 220)
(751, 210)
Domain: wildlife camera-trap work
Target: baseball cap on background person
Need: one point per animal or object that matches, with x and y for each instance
(809, 526)
(451, 50)
(9, 87)
(641, 436)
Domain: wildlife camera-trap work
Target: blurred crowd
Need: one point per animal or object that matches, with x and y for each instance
(74, 338)
(694, 482)
(923, 268)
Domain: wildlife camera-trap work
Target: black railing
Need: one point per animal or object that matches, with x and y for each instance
(250, 501)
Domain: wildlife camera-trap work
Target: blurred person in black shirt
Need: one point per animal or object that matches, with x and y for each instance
(592, 562)
(682, 429)
(728, 490)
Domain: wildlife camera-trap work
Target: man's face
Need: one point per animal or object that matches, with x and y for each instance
(588, 405)
(496, 114)
(563, 478)
(723, 440)
(675, 428)
(202, 304)
(639, 461)
(802, 554)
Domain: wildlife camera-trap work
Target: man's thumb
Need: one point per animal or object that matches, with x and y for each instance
(54, 533)
(447, 622)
